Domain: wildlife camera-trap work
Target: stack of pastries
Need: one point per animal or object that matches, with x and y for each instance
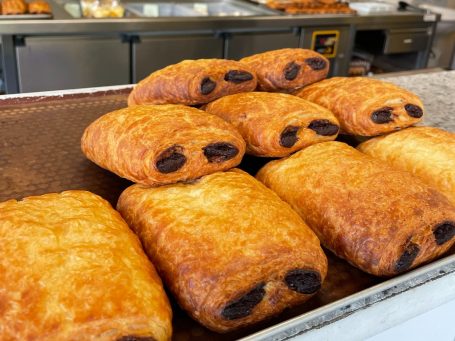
(18, 7)
(231, 248)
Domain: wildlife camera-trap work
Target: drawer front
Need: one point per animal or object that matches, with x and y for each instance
(56, 63)
(154, 53)
(246, 44)
(406, 42)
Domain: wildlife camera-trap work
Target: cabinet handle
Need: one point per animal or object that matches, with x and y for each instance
(407, 41)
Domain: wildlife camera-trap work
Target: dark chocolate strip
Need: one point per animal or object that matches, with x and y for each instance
(243, 306)
(303, 281)
(238, 76)
(288, 136)
(324, 127)
(220, 152)
(316, 63)
(207, 86)
(407, 257)
(414, 110)
(171, 159)
(444, 232)
(383, 115)
(291, 70)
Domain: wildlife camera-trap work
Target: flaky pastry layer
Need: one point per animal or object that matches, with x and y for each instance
(71, 269)
(228, 248)
(275, 124)
(366, 106)
(382, 220)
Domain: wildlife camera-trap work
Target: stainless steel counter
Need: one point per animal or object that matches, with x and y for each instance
(64, 24)
(67, 52)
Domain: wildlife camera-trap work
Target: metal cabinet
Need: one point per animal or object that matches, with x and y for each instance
(339, 64)
(153, 53)
(239, 45)
(53, 63)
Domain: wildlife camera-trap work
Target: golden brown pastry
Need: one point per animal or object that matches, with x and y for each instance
(287, 69)
(426, 152)
(275, 124)
(194, 82)
(382, 220)
(10, 7)
(39, 7)
(366, 106)
(227, 247)
(161, 144)
(71, 269)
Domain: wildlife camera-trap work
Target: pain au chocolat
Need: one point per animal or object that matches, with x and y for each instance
(161, 144)
(426, 152)
(227, 247)
(71, 269)
(275, 124)
(287, 70)
(194, 82)
(366, 106)
(382, 220)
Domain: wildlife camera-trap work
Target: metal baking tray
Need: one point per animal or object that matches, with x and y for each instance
(25, 16)
(40, 153)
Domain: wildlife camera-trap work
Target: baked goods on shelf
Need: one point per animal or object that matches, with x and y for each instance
(71, 269)
(193, 82)
(275, 124)
(287, 70)
(311, 6)
(366, 106)
(382, 220)
(39, 7)
(227, 247)
(13, 7)
(161, 144)
(426, 152)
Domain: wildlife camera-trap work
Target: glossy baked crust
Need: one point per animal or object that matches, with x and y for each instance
(227, 247)
(366, 106)
(275, 124)
(287, 69)
(10, 7)
(426, 152)
(161, 144)
(382, 220)
(39, 7)
(71, 269)
(194, 82)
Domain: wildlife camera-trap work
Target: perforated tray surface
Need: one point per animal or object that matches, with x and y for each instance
(40, 146)
(40, 153)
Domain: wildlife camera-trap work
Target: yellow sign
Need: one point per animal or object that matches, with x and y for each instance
(325, 42)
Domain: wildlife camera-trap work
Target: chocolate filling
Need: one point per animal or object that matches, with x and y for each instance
(444, 232)
(136, 338)
(207, 86)
(324, 127)
(316, 63)
(171, 159)
(237, 76)
(291, 71)
(407, 257)
(383, 115)
(220, 151)
(414, 110)
(288, 136)
(243, 306)
(303, 281)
